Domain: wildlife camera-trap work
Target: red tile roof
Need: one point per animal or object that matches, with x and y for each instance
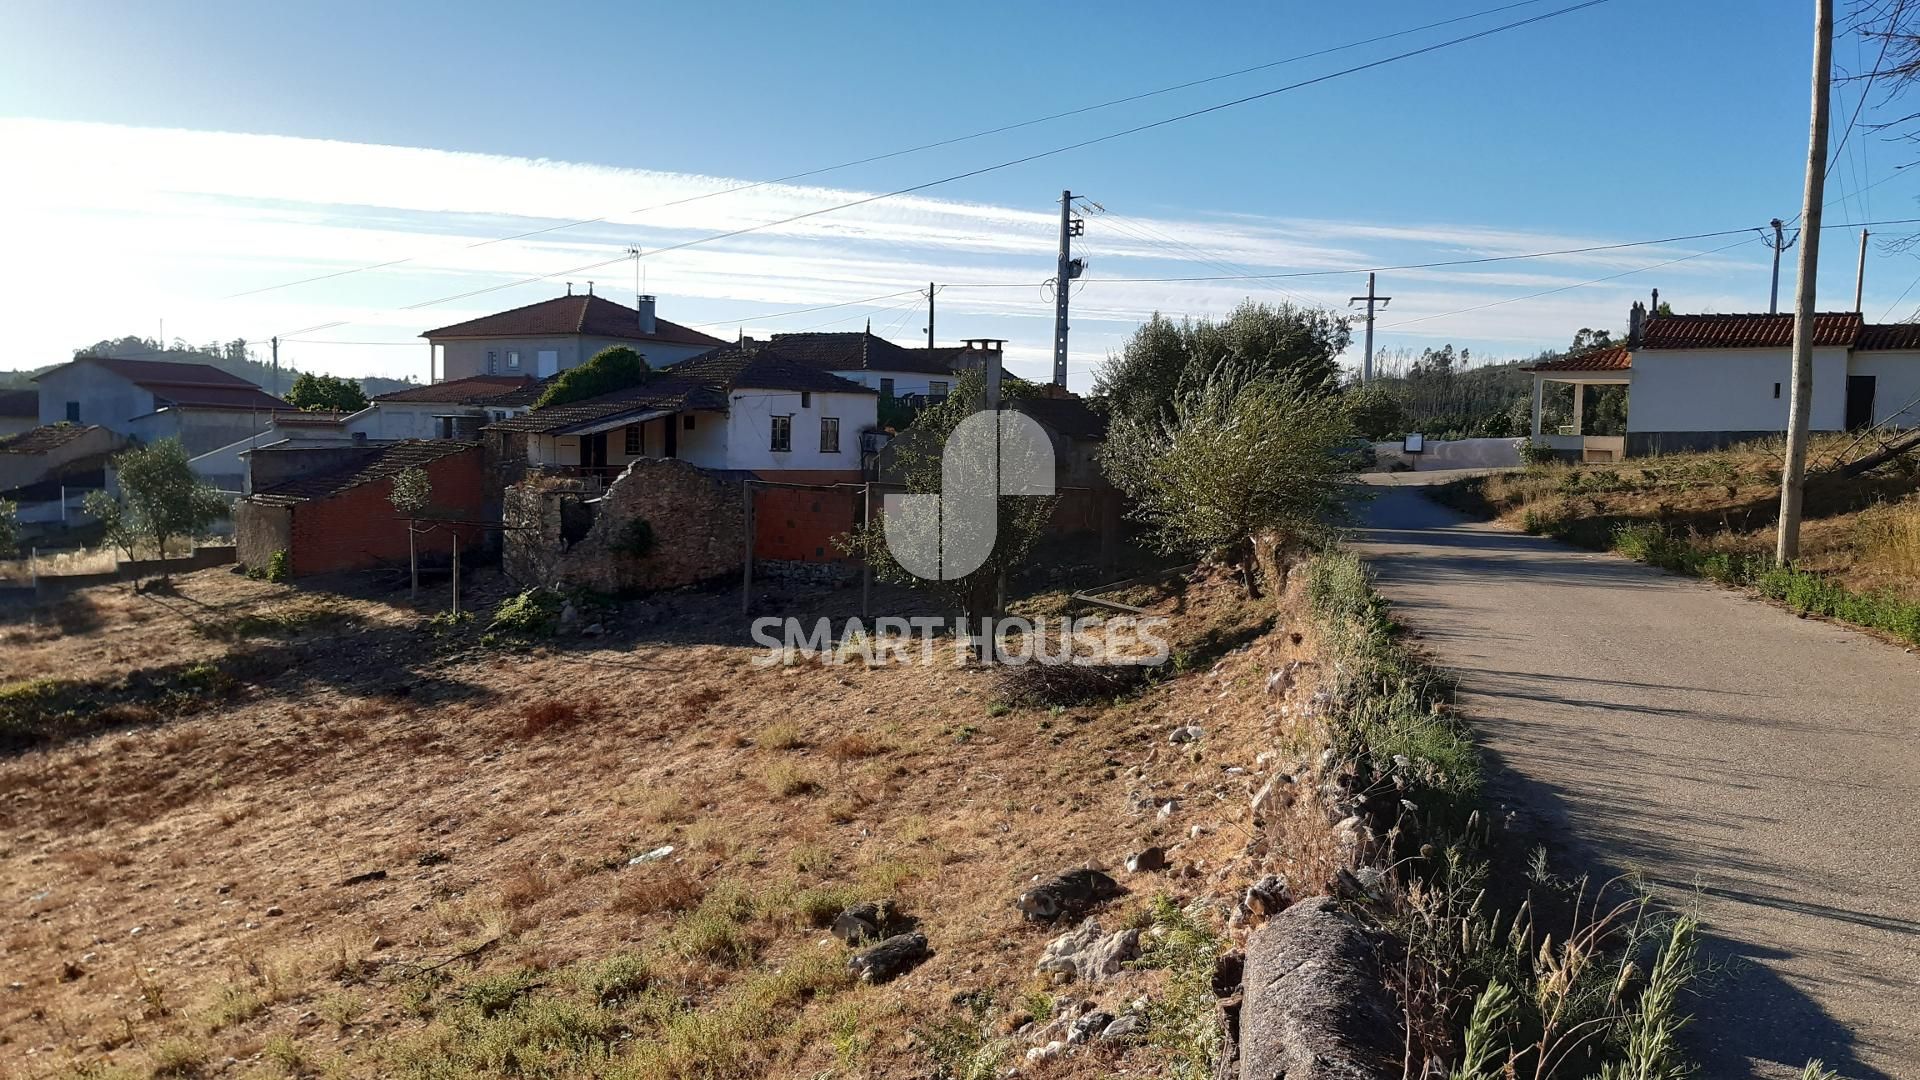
(198, 386)
(468, 391)
(1889, 336)
(378, 463)
(861, 351)
(1605, 358)
(43, 439)
(1832, 329)
(565, 315)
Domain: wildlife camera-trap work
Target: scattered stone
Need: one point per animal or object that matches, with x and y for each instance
(891, 958)
(1267, 897)
(136, 931)
(1052, 1050)
(655, 855)
(861, 922)
(362, 879)
(1073, 893)
(1126, 1026)
(1349, 887)
(432, 858)
(1196, 832)
(1088, 954)
(1167, 808)
(222, 890)
(381, 941)
(1317, 1004)
(1145, 862)
(1186, 733)
(1274, 796)
(274, 912)
(1088, 1026)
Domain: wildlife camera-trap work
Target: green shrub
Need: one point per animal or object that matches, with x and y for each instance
(534, 613)
(1532, 453)
(279, 566)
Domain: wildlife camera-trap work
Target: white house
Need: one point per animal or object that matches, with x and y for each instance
(880, 365)
(1697, 382)
(745, 407)
(148, 400)
(445, 410)
(19, 411)
(549, 337)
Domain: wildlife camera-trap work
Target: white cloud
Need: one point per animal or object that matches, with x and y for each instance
(174, 220)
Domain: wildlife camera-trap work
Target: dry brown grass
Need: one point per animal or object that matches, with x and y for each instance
(503, 817)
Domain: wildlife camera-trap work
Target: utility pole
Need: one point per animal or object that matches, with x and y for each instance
(1069, 268)
(929, 314)
(1779, 244)
(1860, 272)
(1366, 363)
(1793, 477)
(276, 367)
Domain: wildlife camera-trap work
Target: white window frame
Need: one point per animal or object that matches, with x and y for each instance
(513, 359)
(781, 440)
(829, 424)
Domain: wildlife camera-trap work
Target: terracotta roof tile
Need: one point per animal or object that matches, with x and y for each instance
(563, 315)
(468, 391)
(199, 386)
(1605, 358)
(377, 463)
(1889, 336)
(861, 351)
(40, 440)
(1830, 329)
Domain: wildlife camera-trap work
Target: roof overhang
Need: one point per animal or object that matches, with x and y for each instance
(611, 423)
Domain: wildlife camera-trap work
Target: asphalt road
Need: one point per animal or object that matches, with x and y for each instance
(1767, 765)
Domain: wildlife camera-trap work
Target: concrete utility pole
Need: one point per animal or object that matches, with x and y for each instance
(1069, 268)
(276, 367)
(1778, 245)
(1793, 477)
(1860, 272)
(1366, 363)
(929, 314)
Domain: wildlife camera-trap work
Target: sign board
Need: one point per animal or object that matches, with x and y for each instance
(1415, 443)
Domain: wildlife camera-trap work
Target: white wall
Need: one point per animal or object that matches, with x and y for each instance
(1896, 391)
(904, 382)
(750, 429)
(461, 359)
(105, 398)
(1730, 390)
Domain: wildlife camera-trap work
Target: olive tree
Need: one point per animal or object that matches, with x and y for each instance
(160, 499)
(1232, 464)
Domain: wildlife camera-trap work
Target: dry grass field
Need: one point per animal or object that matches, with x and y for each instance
(288, 833)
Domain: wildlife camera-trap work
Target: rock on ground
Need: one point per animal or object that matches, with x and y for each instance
(1088, 954)
(1316, 1007)
(892, 957)
(1070, 894)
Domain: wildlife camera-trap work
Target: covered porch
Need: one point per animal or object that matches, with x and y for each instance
(1577, 432)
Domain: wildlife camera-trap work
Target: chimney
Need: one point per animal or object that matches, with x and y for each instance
(569, 288)
(589, 288)
(1654, 308)
(1636, 318)
(644, 304)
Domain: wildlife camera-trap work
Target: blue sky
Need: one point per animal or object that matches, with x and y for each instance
(417, 130)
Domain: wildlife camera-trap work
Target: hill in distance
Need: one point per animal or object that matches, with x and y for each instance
(230, 357)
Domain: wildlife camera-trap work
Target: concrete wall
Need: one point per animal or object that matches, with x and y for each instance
(904, 382)
(1730, 390)
(750, 430)
(270, 466)
(1458, 453)
(199, 430)
(17, 470)
(259, 530)
(104, 398)
(14, 425)
(462, 359)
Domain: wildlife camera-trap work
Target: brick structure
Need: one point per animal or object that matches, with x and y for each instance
(798, 524)
(340, 517)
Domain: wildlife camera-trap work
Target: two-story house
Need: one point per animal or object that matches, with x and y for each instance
(880, 365)
(551, 336)
(745, 407)
(149, 400)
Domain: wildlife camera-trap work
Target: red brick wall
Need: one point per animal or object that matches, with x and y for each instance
(359, 528)
(800, 523)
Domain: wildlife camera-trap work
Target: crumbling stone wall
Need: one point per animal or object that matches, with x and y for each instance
(697, 517)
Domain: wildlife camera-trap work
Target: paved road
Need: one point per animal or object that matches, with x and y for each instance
(1715, 743)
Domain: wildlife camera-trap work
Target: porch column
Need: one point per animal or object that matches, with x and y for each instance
(1579, 403)
(1539, 389)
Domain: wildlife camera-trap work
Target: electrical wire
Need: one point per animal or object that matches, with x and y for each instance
(1020, 160)
(937, 144)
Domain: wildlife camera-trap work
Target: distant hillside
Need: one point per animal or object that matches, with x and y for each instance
(231, 357)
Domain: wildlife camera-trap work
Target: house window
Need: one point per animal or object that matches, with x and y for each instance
(782, 433)
(936, 388)
(493, 362)
(829, 434)
(806, 400)
(688, 424)
(1776, 391)
(73, 412)
(513, 359)
(886, 387)
(636, 442)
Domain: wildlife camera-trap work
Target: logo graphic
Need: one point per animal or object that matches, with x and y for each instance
(950, 535)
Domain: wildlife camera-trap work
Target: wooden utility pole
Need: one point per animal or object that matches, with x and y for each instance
(1860, 273)
(1793, 477)
(929, 314)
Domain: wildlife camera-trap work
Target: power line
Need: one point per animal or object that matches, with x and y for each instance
(1020, 160)
(1569, 288)
(937, 144)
